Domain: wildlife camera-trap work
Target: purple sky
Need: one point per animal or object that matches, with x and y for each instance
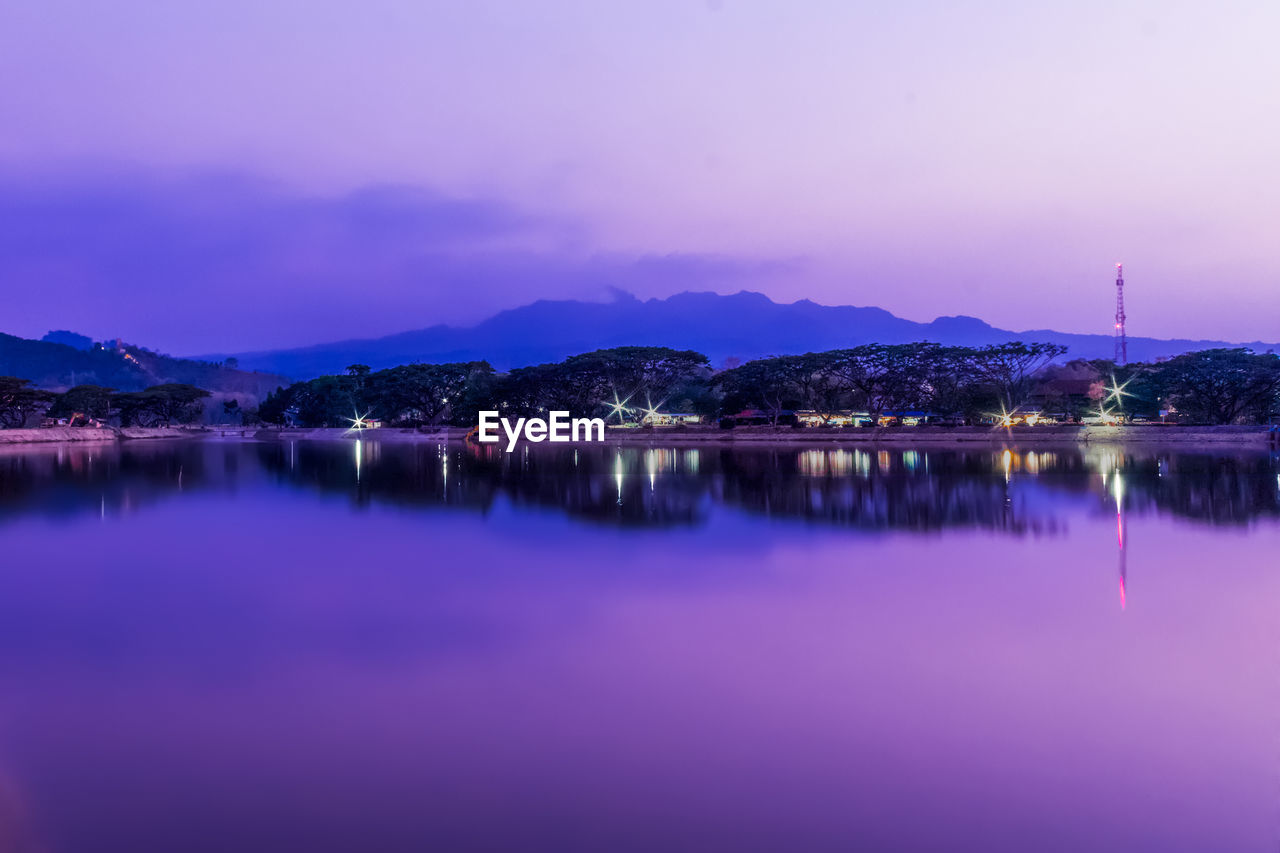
(230, 175)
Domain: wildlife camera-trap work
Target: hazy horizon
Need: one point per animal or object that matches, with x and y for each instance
(230, 177)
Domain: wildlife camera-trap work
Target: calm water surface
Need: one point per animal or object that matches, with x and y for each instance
(339, 646)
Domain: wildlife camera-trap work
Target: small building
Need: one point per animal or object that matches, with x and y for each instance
(1076, 386)
(842, 418)
(671, 419)
(908, 417)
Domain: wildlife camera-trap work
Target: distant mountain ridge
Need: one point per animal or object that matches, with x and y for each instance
(743, 325)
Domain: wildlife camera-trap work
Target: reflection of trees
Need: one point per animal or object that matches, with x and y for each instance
(596, 483)
(1201, 486)
(886, 490)
(876, 490)
(70, 479)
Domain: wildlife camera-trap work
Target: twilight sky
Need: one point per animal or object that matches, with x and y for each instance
(217, 176)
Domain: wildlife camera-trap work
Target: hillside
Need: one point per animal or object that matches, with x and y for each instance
(743, 325)
(126, 368)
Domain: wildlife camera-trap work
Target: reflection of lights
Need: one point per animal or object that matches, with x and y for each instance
(1107, 461)
(1006, 461)
(651, 465)
(822, 463)
(359, 453)
(617, 475)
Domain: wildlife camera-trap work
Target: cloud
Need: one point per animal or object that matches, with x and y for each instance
(219, 261)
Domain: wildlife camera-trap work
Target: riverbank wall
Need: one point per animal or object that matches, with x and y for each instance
(100, 435)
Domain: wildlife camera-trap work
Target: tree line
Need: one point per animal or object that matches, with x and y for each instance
(159, 405)
(1214, 386)
(624, 384)
(619, 381)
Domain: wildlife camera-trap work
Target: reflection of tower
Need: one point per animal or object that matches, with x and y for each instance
(1122, 344)
(1006, 462)
(1122, 528)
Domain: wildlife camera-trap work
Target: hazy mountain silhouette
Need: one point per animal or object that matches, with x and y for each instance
(744, 325)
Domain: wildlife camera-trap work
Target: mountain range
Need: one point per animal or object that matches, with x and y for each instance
(743, 325)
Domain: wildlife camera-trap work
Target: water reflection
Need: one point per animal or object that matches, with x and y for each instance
(1008, 490)
(330, 647)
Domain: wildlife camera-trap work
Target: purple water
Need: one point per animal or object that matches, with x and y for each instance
(262, 647)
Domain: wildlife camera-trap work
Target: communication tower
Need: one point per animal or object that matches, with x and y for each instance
(1122, 343)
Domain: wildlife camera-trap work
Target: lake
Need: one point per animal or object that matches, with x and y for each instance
(214, 646)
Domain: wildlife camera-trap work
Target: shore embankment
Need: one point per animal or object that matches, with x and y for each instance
(1225, 437)
(50, 435)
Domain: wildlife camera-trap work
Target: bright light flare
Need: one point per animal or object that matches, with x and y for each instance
(649, 410)
(359, 422)
(1004, 419)
(1116, 391)
(617, 407)
(1107, 416)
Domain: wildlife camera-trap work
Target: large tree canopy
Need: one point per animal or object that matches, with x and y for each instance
(19, 401)
(1009, 368)
(590, 383)
(160, 405)
(1221, 386)
(90, 401)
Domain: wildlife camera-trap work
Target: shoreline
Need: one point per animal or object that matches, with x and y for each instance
(94, 435)
(1225, 437)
